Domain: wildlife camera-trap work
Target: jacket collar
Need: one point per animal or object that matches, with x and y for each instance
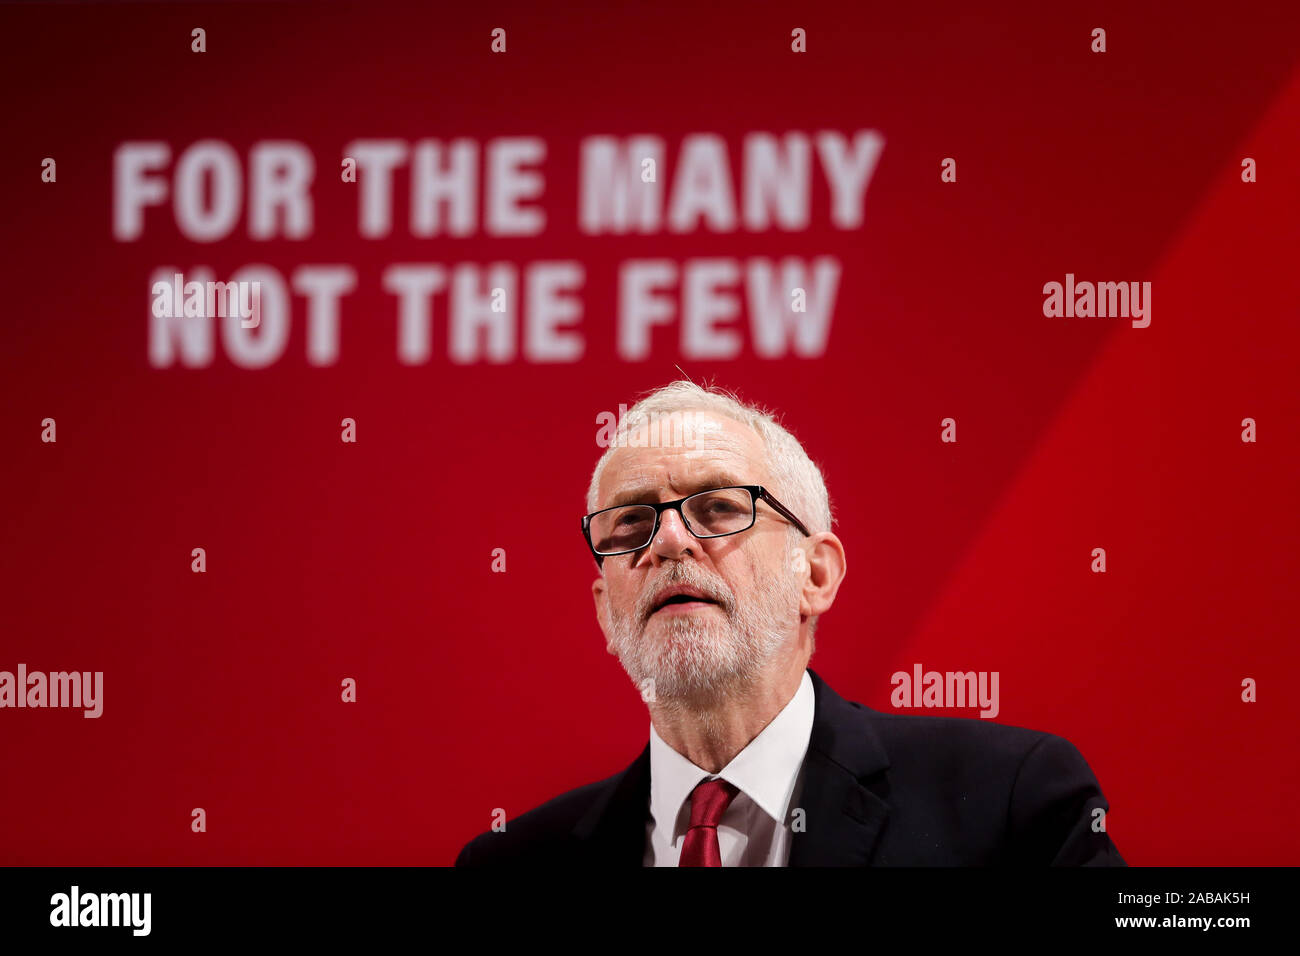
(841, 819)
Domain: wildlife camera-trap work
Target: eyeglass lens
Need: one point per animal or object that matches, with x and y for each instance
(708, 514)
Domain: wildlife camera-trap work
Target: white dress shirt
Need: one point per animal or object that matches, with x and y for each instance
(755, 830)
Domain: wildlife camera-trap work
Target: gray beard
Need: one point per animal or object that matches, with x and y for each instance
(691, 659)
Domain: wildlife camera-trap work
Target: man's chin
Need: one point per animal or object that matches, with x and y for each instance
(685, 661)
(697, 630)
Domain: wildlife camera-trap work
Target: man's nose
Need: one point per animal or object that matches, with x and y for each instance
(673, 539)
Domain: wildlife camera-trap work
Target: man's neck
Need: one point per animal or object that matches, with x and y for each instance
(710, 733)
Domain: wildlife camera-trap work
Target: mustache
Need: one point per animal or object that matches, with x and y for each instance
(709, 586)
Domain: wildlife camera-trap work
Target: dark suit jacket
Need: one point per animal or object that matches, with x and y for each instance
(879, 790)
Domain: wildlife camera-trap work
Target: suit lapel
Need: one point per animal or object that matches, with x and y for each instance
(842, 818)
(612, 832)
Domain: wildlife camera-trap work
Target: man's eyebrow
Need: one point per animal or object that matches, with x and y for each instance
(644, 494)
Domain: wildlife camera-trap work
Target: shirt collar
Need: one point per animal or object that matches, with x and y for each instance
(765, 771)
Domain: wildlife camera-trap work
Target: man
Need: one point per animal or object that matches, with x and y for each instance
(716, 558)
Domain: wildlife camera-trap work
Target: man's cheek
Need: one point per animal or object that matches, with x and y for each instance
(627, 605)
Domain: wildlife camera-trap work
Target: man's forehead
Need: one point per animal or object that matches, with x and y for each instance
(718, 451)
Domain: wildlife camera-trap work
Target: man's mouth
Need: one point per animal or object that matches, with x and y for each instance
(681, 600)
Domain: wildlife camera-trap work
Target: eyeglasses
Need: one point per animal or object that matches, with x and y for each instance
(715, 513)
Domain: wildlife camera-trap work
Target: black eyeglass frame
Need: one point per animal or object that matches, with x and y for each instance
(757, 493)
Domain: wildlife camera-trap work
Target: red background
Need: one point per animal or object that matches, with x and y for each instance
(479, 690)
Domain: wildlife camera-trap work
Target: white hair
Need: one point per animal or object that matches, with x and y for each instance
(795, 478)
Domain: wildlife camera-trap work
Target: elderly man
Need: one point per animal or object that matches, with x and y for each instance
(716, 558)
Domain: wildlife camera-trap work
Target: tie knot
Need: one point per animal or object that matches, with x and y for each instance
(709, 801)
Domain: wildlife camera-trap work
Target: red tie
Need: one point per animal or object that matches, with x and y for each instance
(709, 802)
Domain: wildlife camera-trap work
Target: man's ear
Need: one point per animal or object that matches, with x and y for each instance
(826, 569)
(601, 596)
